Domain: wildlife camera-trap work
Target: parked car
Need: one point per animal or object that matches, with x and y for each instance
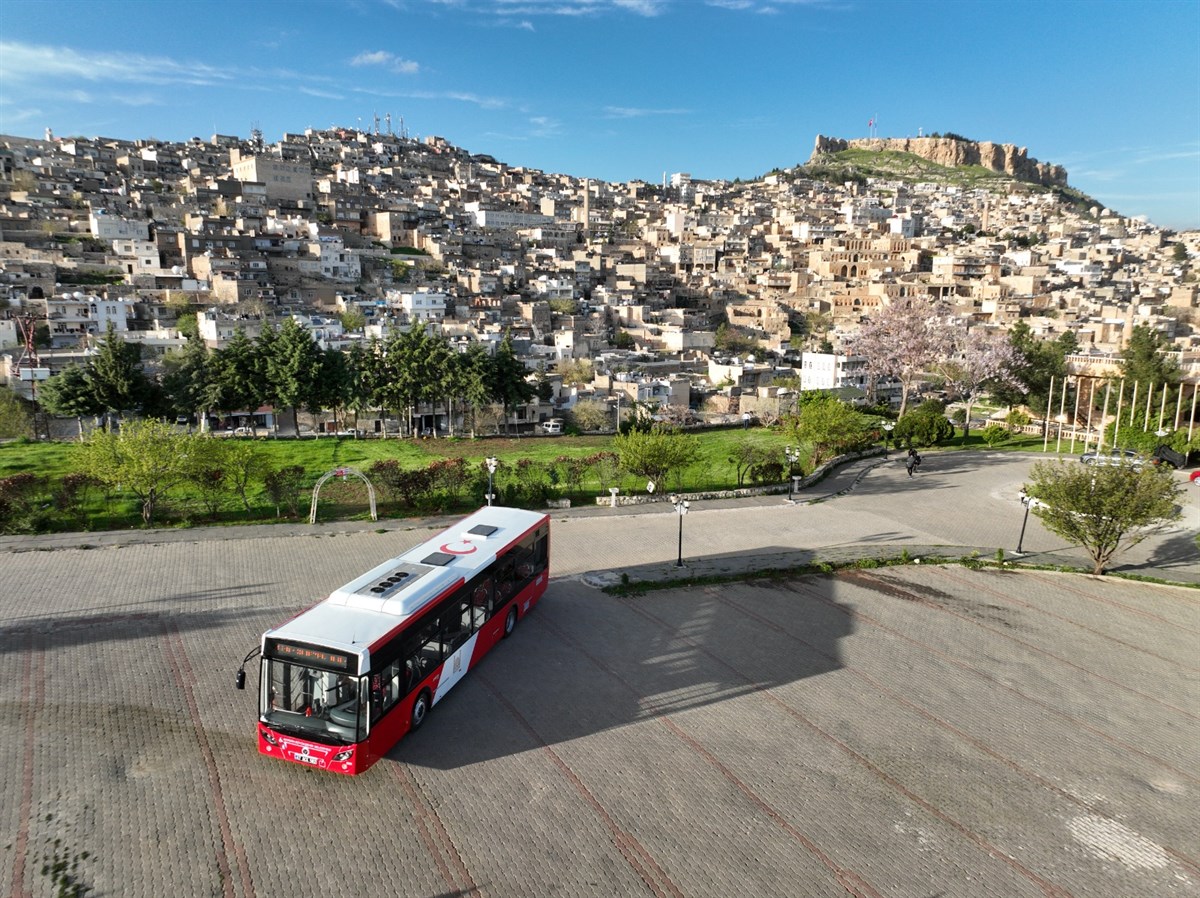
(1113, 457)
(243, 431)
(554, 426)
(1167, 455)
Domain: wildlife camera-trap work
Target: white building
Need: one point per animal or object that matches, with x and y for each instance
(421, 305)
(831, 371)
(72, 316)
(113, 227)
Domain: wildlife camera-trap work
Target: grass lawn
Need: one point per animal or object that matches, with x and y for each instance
(100, 509)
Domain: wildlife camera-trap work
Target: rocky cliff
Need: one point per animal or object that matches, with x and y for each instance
(948, 151)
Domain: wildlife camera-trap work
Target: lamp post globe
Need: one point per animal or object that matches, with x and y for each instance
(681, 508)
(492, 463)
(793, 456)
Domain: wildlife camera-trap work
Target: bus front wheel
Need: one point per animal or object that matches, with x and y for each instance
(420, 709)
(510, 622)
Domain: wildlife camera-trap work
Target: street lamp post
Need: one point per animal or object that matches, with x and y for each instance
(681, 508)
(492, 463)
(793, 456)
(1027, 502)
(887, 434)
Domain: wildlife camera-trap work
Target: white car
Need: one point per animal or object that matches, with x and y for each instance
(1125, 457)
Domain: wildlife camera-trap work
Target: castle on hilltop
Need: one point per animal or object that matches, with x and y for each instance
(951, 151)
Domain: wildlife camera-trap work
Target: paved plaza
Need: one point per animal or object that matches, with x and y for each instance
(905, 731)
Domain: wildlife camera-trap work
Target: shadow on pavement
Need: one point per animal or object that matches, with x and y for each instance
(583, 662)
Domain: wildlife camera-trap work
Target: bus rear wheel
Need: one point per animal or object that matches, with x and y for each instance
(510, 622)
(420, 709)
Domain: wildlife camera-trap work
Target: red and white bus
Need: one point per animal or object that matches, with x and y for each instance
(342, 682)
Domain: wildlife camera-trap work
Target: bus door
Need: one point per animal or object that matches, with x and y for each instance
(456, 630)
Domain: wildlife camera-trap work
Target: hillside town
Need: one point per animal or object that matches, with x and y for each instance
(710, 299)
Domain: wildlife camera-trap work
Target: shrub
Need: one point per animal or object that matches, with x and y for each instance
(995, 433)
(20, 510)
(283, 487)
(923, 427)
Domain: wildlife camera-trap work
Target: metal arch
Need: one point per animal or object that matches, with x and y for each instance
(336, 472)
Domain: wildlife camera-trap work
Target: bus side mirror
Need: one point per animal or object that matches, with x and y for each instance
(240, 681)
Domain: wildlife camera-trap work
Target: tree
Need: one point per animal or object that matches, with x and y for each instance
(15, 419)
(507, 382)
(331, 384)
(924, 426)
(590, 414)
(189, 379)
(828, 427)
(576, 372)
(353, 320)
(148, 458)
(1105, 509)
(748, 456)
(292, 367)
(243, 463)
(1144, 360)
(982, 359)
(283, 487)
(903, 340)
(68, 394)
(656, 453)
(115, 376)
(1037, 361)
(404, 376)
(236, 368)
(730, 340)
(623, 340)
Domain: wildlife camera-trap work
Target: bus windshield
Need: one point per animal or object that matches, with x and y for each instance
(312, 703)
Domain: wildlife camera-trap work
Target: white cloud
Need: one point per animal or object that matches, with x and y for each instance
(636, 112)
(322, 94)
(26, 63)
(642, 7)
(461, 97)
(543, 126)
(390, 61)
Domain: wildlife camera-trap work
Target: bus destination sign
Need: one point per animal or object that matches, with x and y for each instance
(306, 654)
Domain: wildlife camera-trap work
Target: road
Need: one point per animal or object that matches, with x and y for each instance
(905, 731)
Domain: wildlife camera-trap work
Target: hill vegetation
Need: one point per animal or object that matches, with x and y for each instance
(861, 165)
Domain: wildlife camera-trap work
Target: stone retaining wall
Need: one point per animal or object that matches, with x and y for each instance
(813, 478)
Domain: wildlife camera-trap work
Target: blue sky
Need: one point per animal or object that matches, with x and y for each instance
(624, 89)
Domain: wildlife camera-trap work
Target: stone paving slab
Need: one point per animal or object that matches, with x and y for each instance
(903, 731)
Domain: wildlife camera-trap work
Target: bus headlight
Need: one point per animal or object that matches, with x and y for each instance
(344, 755)
(269, 736)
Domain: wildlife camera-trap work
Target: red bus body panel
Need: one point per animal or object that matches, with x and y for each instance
(397, 721)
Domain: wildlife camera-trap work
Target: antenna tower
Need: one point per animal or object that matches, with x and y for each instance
(388, 118)
(27, 324)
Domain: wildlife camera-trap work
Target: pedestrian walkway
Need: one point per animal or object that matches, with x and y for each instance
(956, 506)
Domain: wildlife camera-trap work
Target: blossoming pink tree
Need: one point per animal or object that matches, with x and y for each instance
(904, 340)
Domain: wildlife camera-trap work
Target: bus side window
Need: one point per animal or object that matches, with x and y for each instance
(429, 649)
(481, 603)
(392, 683)
(505, 584)
(455, 625)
